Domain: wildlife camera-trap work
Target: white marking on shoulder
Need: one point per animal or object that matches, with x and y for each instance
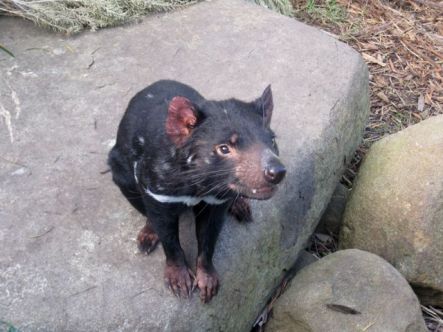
(187, 200)
(149, 95)
(141, 140)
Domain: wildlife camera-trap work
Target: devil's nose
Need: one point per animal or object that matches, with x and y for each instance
(275, 172)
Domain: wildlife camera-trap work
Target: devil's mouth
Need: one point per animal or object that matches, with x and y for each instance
(260, 193)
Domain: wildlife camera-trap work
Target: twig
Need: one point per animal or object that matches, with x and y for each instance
(83, 291)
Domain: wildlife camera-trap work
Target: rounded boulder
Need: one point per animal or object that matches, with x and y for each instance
(396, 207)
(349, 290)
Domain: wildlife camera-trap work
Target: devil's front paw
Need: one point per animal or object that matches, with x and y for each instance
(207, 281)
(241, 210)
(147, 239)
(178, 278)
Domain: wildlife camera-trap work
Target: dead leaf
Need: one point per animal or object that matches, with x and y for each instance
(383, 97)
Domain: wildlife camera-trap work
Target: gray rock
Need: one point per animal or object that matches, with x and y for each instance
(396, 207)
(332, 219)
(349, 290)
(69, 259)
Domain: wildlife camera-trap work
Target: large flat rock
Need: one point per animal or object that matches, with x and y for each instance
(69, 260)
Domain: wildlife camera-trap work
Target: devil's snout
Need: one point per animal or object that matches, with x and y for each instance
(275, 171)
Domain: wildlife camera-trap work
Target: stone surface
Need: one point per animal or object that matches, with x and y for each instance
(69, 259)
(347, 291)
(332, 219)
(396, 207)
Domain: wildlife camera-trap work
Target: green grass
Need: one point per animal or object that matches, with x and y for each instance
(73, 16)
(7, 327)
(328, 11)
(281, 6)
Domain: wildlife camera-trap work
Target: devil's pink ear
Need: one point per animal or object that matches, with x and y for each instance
(181, 119)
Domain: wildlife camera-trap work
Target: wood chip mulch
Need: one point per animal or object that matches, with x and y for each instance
(402, 43)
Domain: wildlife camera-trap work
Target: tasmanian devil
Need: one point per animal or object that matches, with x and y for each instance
(176, 150)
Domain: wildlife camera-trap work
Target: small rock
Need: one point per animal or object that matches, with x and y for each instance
(325, 238)
(349, 290)
(396, 207)
(20, 171)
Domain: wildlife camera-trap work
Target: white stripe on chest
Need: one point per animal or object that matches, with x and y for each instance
(187, 200)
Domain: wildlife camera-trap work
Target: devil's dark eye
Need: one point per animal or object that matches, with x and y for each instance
(274, 142)
(274, 145)
(223, 149)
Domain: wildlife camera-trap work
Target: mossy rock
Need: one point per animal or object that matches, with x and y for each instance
(396, 207)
